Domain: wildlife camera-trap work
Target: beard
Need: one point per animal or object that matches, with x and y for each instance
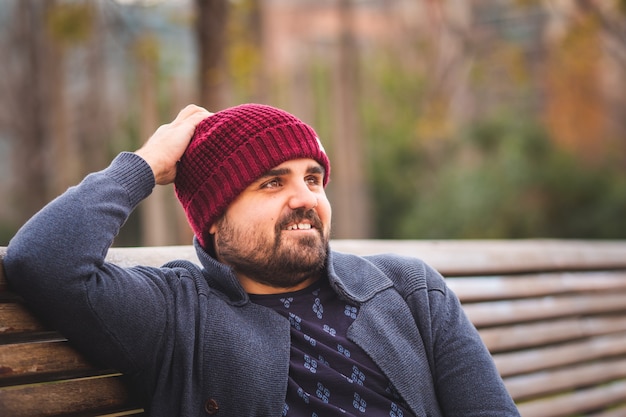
(271, 260)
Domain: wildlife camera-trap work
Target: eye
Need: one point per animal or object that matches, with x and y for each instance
(313, 180)
(273, 183)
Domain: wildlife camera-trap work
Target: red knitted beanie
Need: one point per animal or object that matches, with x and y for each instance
(230, 150)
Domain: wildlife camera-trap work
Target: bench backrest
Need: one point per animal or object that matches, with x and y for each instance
(553, 314)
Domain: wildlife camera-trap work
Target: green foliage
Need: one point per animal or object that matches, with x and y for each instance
(486, 188)
(321, 77)
(391, 120)
(586, 202)
(147, 49)
(7, 230)
(502, 179)
(71, 23)
(501, 176)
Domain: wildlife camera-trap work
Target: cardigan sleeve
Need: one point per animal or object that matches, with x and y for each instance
(56, 262)
(467, 381)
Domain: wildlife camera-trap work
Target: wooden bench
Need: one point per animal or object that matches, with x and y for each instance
(553, 314)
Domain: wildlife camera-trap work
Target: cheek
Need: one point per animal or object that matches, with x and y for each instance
(324, 204)
(324, 211)
(262, 217)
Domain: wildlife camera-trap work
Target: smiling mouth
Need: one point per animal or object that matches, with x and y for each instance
(300, 220)
(300, 226)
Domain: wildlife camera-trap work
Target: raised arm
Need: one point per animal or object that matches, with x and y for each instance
(56, 261)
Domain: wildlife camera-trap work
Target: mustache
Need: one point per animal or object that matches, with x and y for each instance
(298, 215)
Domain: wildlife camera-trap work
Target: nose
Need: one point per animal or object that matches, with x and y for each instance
(302, 197)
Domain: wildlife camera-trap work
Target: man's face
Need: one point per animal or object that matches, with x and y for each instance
(275, 233)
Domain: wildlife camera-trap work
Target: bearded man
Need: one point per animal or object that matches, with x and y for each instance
(273, 323)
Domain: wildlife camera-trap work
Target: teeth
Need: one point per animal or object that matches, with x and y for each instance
(299, 226)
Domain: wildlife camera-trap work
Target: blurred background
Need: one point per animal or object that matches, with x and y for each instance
(443, 119)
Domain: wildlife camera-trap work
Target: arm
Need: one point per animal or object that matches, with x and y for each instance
(56, 260)
(467, 381)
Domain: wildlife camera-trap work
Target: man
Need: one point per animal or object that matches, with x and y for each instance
(274, 323)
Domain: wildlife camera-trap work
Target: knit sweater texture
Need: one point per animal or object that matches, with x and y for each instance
(187, 334)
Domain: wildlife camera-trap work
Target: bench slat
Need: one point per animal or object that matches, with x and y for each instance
(526, 361)
(487, 257)
(474, 289)
(517, 311)
(39, 358)
(567, 378)
(15, 318)
(613, 412)
(90, 397)
(576, 402)
(506, 338)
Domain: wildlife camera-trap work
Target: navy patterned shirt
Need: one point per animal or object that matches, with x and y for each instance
(328, 374)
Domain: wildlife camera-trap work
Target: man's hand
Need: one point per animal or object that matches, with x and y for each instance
(168, 143)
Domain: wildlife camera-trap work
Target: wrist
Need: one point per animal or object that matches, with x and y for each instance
(134, 173)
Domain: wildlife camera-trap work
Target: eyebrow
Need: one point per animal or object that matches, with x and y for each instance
(277, 172)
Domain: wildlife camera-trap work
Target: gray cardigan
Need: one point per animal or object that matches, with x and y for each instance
(189, 336)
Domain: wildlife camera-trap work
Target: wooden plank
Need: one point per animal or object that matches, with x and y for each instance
(576, 402)
(525, 310)
(619, 411)
(506, 338)
(15, 318)
(475, 289)
(84, 396)
(587, 350)
(477, 257)
(110, 412)
(114, 412)
(565, 379)
(31, 337)
(39, 358)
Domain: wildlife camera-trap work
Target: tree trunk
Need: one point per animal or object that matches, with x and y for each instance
(94, 124)
(351, 208)
(29, 125)
(212, 18)
(63, 166)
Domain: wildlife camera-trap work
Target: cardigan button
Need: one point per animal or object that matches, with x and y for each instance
(211, 406)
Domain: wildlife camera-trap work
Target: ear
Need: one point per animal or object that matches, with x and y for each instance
(213, 228)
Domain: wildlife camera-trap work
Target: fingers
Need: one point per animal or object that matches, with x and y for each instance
(191, 110)
(190, 116)
(165, 147)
